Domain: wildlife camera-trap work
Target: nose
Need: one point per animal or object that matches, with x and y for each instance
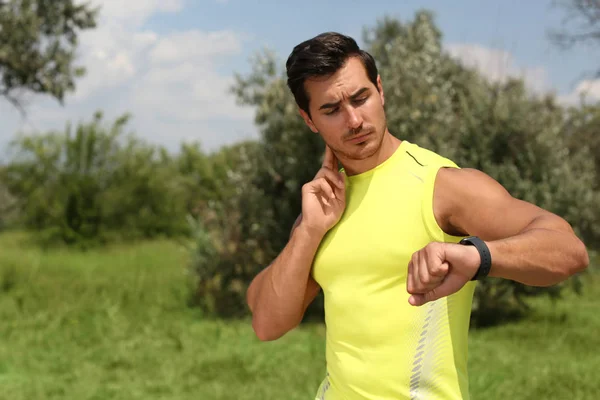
(354, 119)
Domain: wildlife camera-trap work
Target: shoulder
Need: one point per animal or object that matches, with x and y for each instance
(458, 186)
(427, 158)
(453, 193)
(463, 194)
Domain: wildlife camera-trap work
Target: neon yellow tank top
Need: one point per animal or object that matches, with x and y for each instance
(378, 346)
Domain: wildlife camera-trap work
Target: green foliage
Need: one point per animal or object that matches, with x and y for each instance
(289, 154)
(527, 143)
(7, 206)
(92, 184)
(424, 88)
(229, 236)
(252, 223)
(38, 43)
(112, 323)
(581, 129)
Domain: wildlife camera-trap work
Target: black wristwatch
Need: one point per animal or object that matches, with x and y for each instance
(484, 253)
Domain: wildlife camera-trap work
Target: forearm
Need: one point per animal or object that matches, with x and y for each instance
(545, 253)
(276, 297)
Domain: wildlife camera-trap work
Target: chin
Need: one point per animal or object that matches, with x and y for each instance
(364, 150)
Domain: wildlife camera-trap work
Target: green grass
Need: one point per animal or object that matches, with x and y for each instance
(114, 324)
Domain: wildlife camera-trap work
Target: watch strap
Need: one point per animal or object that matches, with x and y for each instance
(484, 253)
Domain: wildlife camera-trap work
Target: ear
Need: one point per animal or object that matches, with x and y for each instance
(380, 88)
(308, 121)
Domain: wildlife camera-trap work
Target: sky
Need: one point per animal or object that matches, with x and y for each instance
(170, 63)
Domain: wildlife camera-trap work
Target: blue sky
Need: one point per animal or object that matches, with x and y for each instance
(515, 26)
(170, 62)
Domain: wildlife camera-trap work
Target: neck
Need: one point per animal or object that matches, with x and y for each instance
(388, 146)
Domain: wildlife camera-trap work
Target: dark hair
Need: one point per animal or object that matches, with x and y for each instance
(323, 55)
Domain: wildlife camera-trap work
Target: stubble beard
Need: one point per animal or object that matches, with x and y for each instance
(374, 142)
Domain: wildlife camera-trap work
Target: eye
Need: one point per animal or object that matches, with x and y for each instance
(332, 111)
(361, 100)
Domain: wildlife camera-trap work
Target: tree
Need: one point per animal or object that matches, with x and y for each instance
(232, 235)
(582, 129)
(584, 13)
(582, 121)
(584, 19)
(431, 100)
(38, 40)
(499, 128)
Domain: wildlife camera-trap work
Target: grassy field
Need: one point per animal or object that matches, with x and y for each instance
(113, 324)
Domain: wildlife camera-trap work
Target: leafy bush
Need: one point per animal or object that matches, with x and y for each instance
(523, 141)
(92, 185)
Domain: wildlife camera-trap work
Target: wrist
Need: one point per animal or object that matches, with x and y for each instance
(309, 233)
(493, 248)
(474, 260)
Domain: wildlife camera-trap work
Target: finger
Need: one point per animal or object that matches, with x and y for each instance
(438, 266)
(420, 273)
(340, 194)
(410, 282)
(424, 278)
(324, 200)
(323, 186)
(430, 272)
(334, 177)
(440, 270)
(319, 188)
(416, 300)
(413, 274)
(451, 285)
(330, 160)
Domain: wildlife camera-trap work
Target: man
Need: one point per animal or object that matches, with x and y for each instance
(396, 240)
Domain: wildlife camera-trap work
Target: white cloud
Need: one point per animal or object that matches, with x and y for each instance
(586, 91)
(195, 45)
(499, 65)
(171, 83)
(186, 91)
(134, 11)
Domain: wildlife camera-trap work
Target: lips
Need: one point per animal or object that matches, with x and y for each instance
(360, 138)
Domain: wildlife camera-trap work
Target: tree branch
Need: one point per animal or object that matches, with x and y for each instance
(14, 101)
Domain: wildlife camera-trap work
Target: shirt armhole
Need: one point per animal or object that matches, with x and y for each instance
(435, 232)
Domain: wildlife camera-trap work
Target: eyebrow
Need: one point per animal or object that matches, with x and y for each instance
(354, 96)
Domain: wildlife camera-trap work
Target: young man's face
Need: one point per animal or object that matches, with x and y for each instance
(347, 111)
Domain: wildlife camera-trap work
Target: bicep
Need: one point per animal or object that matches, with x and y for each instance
(472, 202)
